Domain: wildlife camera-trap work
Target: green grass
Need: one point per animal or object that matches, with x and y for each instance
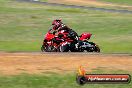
(23, 25)
(53, 81)
(129, 2)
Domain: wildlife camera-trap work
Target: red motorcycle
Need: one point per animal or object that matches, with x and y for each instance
(68, 41)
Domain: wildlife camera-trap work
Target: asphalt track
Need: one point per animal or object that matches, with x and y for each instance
(82, 7)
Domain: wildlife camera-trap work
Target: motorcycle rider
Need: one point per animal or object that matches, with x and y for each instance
(62, 32)
(60, 28)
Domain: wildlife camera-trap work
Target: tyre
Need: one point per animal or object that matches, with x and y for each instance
(47, 48)
(42, 48)
(50, 49)
(97, 49)
(94, 48)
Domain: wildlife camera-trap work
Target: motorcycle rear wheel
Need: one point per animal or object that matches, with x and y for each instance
(97, 49)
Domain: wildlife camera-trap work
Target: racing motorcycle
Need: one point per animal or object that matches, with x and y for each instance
(68, 41)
